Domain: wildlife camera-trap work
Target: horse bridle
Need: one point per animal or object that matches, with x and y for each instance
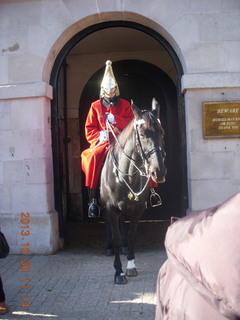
(144, 157)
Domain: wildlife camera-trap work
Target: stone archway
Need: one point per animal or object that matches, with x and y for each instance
(56, 120)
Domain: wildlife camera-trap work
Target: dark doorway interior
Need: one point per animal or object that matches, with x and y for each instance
(141, 81)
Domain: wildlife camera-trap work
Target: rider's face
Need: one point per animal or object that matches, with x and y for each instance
(110, 92)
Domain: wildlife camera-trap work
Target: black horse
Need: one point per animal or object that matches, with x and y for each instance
(136, 156)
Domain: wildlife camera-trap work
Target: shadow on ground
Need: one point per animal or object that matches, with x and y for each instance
(91, 235)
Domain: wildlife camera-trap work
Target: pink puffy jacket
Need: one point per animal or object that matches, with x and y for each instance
(201, 278)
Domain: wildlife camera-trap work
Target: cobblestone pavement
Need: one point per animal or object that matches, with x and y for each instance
(77, 283)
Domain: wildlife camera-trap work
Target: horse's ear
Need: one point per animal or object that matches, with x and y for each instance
(156, 108)
(137, 112)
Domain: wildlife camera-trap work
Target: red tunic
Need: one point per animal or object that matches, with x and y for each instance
(93, 159)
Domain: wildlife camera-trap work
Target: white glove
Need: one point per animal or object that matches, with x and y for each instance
(104, 136)
(111, 118)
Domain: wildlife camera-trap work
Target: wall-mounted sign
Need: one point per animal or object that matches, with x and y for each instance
(221, 119)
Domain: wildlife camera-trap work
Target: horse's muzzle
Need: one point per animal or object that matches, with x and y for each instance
(159, 176)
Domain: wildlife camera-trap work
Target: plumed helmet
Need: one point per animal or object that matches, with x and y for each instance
(109, 80)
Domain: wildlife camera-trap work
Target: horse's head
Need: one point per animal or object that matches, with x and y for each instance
(150, 140)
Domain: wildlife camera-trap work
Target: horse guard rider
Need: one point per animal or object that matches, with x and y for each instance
(106, 118)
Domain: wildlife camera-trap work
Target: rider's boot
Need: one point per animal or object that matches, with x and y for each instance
(155, 199)
(93, 209)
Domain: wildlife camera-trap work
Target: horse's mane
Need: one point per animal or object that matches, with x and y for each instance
(150, 123)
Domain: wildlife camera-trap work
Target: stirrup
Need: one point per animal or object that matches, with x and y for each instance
(93, 209)
(155, 199)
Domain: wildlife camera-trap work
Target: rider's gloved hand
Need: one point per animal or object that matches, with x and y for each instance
(111, 118)
(104, 136)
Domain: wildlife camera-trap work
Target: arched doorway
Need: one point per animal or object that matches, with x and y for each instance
(134, 76)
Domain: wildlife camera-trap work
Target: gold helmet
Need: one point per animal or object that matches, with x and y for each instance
(108, 81)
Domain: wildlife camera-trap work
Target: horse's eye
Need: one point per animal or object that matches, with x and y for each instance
(141, 133)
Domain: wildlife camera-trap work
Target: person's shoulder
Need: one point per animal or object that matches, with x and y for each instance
(96, 103)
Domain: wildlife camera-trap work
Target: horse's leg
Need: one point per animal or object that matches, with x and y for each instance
(124, 235)
(109, 251)
(119, 277)
(131, 270)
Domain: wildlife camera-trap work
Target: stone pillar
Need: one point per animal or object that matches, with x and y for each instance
(213, 164)
(27, 214)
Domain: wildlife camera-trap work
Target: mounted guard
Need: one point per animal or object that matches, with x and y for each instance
(106, 119)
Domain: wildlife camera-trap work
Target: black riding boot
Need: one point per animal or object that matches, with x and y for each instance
(155, 199)
(93, 209)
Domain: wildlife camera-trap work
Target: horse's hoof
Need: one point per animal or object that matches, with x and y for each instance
(120, 279)
(131, 272)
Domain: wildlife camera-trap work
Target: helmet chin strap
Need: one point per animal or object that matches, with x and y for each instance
(109, 96)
